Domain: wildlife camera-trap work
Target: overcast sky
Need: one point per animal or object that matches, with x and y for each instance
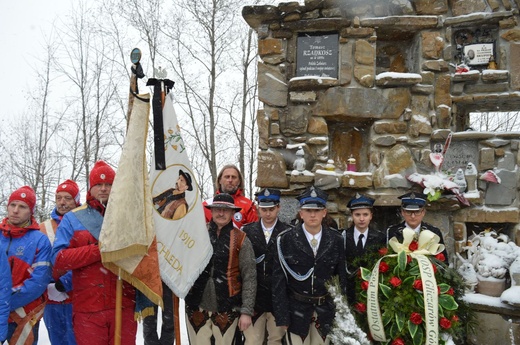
(23, 25)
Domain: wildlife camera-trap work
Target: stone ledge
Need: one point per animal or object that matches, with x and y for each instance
(471, 76)
(394, 79)
(490, 75)
(488, 304)
(478, 18)
(356, 180)
(407, 23)
(312, 83)
(487, 215)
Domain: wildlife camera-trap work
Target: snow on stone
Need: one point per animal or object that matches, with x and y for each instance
(309, 77)
(397, 75)
(494, 71)
(326, 172)
(299, 173)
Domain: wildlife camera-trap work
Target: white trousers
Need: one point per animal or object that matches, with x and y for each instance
(255, 334)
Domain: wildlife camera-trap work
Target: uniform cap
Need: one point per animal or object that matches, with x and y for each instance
(413, 201)
(268, 197)
(313, 198)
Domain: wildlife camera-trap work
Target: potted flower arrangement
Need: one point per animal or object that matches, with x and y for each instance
(411, 296)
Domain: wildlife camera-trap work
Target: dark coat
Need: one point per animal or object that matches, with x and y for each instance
(264, 254)
(397, 231)
(375, 241)
(298, 254)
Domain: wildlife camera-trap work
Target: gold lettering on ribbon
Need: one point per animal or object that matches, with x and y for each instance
(431, 299)
(169, 257)
(375, 322)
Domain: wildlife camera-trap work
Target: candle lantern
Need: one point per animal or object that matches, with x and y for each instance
(351, 164)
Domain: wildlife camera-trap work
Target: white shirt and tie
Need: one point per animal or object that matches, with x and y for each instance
(314, 240)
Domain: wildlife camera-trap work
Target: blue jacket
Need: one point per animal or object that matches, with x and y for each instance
(5, 294)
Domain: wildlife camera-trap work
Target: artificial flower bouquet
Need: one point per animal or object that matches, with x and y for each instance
(410, 296)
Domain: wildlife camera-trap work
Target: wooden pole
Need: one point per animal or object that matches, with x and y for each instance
(119, 309)
(176, 320)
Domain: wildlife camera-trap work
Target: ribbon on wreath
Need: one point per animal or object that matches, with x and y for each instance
(428, 244)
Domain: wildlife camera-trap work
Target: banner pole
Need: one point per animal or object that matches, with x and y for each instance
(119, 307)
(176, 320)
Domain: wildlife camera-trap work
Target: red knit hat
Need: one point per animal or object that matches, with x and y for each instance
(101, 173)
(70, 187)
(25, 194)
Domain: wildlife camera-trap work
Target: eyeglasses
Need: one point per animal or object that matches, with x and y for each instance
(413, 213)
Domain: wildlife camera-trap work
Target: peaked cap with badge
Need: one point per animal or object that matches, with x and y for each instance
(413, 201)
(268, 197)
(313, 198)
(360, 201)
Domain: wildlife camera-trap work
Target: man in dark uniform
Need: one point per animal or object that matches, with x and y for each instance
(360, 238)
(309, 256)
(263, 236)
(413, 211)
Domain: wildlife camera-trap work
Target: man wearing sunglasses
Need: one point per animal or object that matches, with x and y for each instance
(413, 211)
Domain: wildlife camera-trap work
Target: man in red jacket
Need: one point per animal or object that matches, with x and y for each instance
(230, 181)
(28, 252)
(58, 311)
(76, 249)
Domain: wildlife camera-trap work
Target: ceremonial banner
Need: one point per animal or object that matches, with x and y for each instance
(183, 242)
(127, 239)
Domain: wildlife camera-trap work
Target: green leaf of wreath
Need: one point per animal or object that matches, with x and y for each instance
(444, 287)
(401, 260)
(412, 328)
(448, 302)
(386, 290)
(400, 319)
(365, 273)
(418, 337)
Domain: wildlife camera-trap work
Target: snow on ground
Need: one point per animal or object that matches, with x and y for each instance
(44, 337)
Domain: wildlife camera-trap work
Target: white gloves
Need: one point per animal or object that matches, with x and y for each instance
(54, 294)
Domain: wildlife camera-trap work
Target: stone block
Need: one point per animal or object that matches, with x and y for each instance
(507, 161)
(272, 89)
(271, 170)
(487, 159)
(318, 126)
(430, 7)
(294, 120)
(302, 97)
(300, 178)
(462, 7)
(493, 75)
(275, 128)
(514, 52)
(356, 180)
(459, 231)
(385, 140)
(277, 142)
(326, 180)
(503, 193)
(270, 46)
(262, 122)
(442, 90)
(390, 127)
(432, 44)
(512, 35)
(364, 53)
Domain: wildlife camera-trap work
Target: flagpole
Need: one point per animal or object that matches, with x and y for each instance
(176, 319)
(119, 309)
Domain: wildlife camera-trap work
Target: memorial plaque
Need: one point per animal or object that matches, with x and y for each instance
(478, 53)
(459, 154)
(317, 55)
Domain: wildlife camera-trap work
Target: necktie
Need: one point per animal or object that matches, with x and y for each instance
(314, 245)
(359, 245)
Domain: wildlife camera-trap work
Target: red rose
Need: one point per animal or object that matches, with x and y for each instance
(361, 307)
(395, 281)
(413, 246)
(398, 341)
(408, 259)
(359, 273)
(417, 284)
(440, 257)
(364, 285)
(438, 290)
(383, 267)
(434, 268)
(416, 318)
(455, 318)
(383, 251)
(445, 323)
(450, 291)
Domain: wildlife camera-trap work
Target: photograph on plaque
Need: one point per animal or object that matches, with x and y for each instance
(478, 53)
(317, 55)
